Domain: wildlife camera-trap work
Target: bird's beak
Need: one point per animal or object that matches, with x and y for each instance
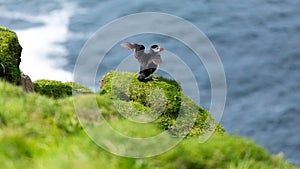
(161, 48)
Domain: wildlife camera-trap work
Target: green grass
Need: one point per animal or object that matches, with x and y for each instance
(39, 132)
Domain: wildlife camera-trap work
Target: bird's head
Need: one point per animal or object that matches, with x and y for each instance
(156, 49)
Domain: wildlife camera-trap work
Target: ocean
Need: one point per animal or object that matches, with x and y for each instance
(257, 41)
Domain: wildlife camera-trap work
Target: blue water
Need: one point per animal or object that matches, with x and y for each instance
(258, 43)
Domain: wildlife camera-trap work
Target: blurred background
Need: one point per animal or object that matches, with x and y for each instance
(257, 41)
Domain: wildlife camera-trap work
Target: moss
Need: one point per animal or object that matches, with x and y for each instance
(125, 86)
(10, 56)
(57, 89)
(161, 100)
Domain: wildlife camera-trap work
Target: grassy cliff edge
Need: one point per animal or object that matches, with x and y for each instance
(42, 132)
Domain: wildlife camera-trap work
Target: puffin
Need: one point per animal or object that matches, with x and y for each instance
(148, 61)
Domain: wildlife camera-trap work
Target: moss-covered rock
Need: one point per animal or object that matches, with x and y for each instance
(10, 56)
(161, 101)
(125, 86)
(58, 89)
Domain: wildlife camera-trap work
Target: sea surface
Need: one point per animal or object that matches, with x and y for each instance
(257, 41)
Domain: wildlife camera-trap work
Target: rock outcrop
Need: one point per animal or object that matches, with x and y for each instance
(10, 58)
(26, 83)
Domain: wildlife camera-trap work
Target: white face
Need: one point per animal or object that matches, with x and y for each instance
(157, 49)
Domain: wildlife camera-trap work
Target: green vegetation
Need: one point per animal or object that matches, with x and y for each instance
(57, 89)
(43, 132)
(10, 56)
(154, 98)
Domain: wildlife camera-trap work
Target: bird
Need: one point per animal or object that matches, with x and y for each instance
(148, 61)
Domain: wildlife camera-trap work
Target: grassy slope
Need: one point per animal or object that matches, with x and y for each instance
(40, 132)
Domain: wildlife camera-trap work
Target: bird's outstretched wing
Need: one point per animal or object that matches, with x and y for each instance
(130, 45)
(137, 48)
(157, 60)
